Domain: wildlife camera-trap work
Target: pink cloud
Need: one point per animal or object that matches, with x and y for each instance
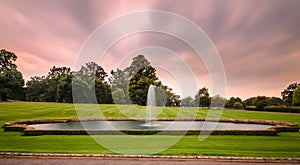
(258, 41)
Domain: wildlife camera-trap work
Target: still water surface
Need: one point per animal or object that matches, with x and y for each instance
(156, 125)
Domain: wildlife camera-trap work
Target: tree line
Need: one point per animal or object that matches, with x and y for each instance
(128, 86)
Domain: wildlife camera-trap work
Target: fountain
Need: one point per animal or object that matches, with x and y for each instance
(147, 127)
(151, 103)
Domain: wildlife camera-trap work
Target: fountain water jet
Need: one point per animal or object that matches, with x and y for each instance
(151, 103)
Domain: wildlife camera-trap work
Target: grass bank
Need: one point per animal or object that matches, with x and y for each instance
(284, 145)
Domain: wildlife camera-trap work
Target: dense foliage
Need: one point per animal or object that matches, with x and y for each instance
(287, 94)
(57, 85)
(230, 103)
(131, 85)
(296, 97)
(11, 80)
(128, 86)
(202, 98)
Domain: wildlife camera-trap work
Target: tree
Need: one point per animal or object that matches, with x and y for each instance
(119, 96)
(36, 88)
(249, 101)
(82, 89)
(11, 80)
(260, 102)
(103, 92)
(138, 63)
(91, 70)
(176, 101)
(217, 101)
(230, 103)
(287, 94)
(140, 80)
(202, 98)
(161, 96)
(119, 80)
(172, 100)
(139, 84)
(52, 79)
(58, 72)
(64, 89)
(187, 102)
(45, 88)
(91, 78)
(135, 81)
(7, 60)
(296, 97)
(275, 101)
(88, 82)
(129, 78)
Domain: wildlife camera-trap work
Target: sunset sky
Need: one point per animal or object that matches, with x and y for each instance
(258, 41)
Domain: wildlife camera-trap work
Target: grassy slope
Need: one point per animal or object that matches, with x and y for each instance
(285, 145)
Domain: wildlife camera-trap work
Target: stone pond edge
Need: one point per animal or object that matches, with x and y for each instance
(22, 126)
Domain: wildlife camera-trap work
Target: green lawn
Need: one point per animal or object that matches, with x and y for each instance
(284, 145)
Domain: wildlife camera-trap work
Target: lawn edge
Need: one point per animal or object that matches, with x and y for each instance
(150, 157)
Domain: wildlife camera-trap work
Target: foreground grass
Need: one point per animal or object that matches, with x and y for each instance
(284, 145)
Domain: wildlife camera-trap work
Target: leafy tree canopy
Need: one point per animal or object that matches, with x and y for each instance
(230, 103)
(202, 98)
(296, 97)
(11, 80)
(187, 102)
(260, 102)
(287, 94)
(217, 101)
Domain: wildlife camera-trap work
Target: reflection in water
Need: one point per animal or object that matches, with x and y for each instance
(140, 125)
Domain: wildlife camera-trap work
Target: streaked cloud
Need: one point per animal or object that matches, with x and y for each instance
(257, 40)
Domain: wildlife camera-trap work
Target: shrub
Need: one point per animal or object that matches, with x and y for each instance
(260, 102)
(293, 109)
(273, 108)
(238, 105)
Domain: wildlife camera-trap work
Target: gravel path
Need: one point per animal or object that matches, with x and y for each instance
(74, 159)
(92, 161)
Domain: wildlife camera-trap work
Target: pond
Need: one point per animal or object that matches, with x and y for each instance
(155, 125)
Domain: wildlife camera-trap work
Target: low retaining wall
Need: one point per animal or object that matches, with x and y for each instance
(29, 132)
(22, 126)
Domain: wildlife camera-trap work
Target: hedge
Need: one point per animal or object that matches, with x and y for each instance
(251, 108)
(292, 109)
(273, 108)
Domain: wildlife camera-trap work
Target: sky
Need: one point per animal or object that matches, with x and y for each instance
(258, 41)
